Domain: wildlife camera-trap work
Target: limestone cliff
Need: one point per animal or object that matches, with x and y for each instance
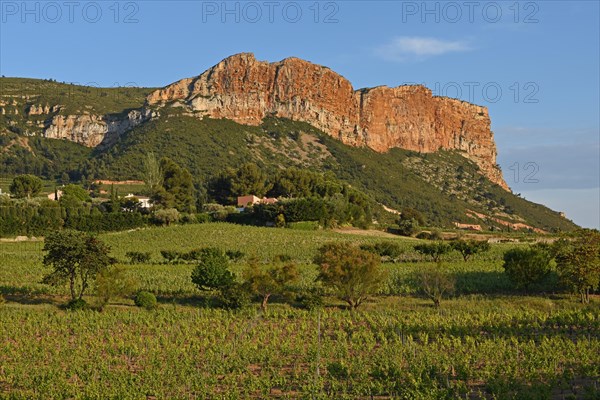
(409, 117)
(90, 129)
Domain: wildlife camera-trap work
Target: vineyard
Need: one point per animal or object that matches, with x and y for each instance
(485, 342)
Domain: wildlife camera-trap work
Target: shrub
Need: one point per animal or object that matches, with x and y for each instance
(234, 297)
(407, 227)
(171, 256)
(234, 255)
(146, 300)
(202, 218)
(526, 266)
(387, 250)
(282, 258)
(311, 300)
(212, 272)
(136, 257)
(76, 304)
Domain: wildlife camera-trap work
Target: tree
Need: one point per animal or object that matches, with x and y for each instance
(436, 283)
(249, 179)
(352, 273)
(26, 186)
(526, 266)
(578, 263)
(153, 175)
(167, 217)
(177, 182)
(114, 282)
(435, 250)
(468, 248)
(76, 258)
(275, 279)
(410, 213)
(212, 271)
(73, 196)
(407, 227)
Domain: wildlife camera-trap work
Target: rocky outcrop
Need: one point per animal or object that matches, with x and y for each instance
(91, 130)
(409, 117)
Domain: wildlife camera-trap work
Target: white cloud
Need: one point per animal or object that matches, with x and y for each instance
(406, 48)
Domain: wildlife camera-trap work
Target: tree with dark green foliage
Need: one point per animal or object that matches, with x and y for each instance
(434, 250)
(212, 271)
(249, 179)
(75, 257)
(73, 196)
(468, 248)
(26, 186)
(353, 274)
(410, 213)
(178, 184)
(526, 266)
(266, 281)
(578, 263)
(407, 227)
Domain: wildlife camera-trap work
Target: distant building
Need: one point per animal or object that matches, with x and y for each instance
(244, 201)
(55, 196)
(144, 201)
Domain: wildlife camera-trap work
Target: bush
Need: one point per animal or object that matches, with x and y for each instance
(212, 272)
(203, 218)
(234, 255)
(526, 266)
(171, 256)
(407, 227)
(77, 304)
(311, 300)
(136, 257)
(387, 250)
(146, 300)
(234, 297)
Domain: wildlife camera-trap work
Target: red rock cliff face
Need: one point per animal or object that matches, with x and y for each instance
(409, 117)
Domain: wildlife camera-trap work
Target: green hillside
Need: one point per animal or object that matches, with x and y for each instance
(444, 186)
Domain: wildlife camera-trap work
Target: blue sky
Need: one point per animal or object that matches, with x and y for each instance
(535, 64)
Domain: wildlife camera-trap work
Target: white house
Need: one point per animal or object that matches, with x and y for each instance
(144, 201)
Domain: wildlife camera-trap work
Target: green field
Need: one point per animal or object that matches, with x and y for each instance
(487, 341)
